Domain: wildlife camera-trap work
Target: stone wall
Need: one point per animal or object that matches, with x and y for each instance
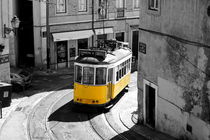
(177, 61)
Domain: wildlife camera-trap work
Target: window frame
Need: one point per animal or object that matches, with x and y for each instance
(86, 6)
(101, 17)
(65, 8)
(88, 83)
(117, 4)
(104, 83)
(119, 8)
(154, 6)
(154, 11)
(94, 73)
(134, 5)
(76, 74)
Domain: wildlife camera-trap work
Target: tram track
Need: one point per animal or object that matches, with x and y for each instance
(119, 134)
(94, 130)
(37, 120)
(106, 131)
(96, 126)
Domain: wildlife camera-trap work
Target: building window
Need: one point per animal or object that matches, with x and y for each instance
(60, 6)
(119, 36)
(120, 5)
(136, 4)
(154, 5)
(82, 5)
(102, 10)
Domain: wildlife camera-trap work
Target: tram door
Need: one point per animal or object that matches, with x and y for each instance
(110, 82)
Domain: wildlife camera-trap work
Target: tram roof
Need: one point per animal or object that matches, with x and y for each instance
(111, 57)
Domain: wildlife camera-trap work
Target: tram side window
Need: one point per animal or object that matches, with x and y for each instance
(78, 70)
(117, 76)
(88, 75)
(120, 75)
(100, 76)
(128, 65)
(124, 70)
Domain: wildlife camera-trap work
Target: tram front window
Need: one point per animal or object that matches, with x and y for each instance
(78, 71)
(100, 76)
(88, 75)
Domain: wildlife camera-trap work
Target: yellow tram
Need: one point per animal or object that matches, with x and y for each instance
(101, 74)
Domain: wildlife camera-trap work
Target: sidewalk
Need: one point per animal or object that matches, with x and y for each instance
(42, 81)
(129, 118)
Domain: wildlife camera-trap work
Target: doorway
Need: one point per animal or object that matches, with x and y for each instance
(25, 34)
(150, 103)
(135, 41)
(62, 58)
(82, 44)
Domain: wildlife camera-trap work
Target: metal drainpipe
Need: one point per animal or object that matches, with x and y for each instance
(48, 34)
(93, 23)
(2, 28)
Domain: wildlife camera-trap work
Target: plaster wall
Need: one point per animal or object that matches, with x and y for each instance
(179, 68)
(6, 14)
(37, 21)
(173, 119)
(74, 21)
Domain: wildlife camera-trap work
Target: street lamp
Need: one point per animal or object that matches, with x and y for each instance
(15, 24)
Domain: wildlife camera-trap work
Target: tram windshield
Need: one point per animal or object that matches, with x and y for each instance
(100, 76)
(78, 70)
(88, 75)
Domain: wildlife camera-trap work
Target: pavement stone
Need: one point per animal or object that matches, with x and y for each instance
(42, 81)
(128, 116)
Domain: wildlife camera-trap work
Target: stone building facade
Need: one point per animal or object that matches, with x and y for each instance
(6, 40)
(174, 67)
(78, 24)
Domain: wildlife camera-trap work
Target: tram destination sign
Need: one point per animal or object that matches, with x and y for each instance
(92, 53)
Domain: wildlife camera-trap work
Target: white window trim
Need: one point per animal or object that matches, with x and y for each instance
(121, 7)
(61, 13)
(87, 9)
(156, 12)
(153, 7)
(134, 5)
(107, 10)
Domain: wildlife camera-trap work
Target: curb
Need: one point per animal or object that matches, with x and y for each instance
(55, 89)
(51, 110)
(129, 123)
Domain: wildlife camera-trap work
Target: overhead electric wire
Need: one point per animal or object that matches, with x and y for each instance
(182, 41)
(189, 61)
(177, 38)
